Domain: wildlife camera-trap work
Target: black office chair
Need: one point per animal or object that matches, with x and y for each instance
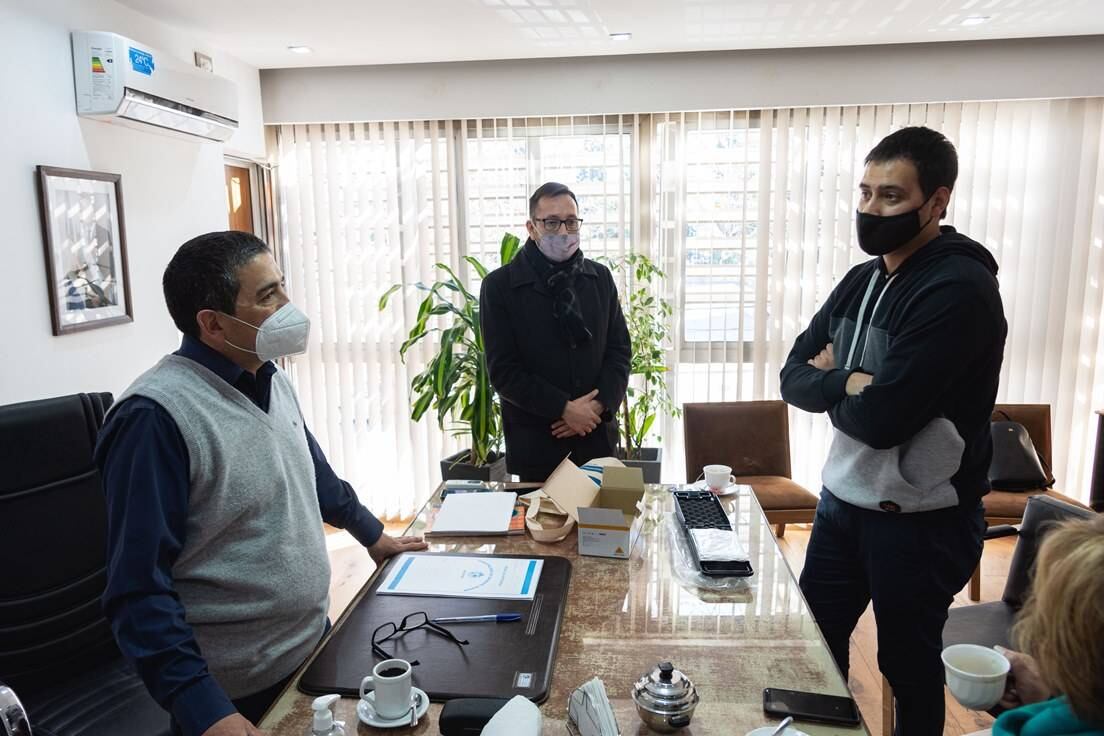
(57, 651)
(990, 624)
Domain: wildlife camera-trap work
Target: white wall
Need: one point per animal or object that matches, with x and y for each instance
(172, 190)
(935, 72)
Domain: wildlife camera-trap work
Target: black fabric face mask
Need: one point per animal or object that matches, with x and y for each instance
(879, 235)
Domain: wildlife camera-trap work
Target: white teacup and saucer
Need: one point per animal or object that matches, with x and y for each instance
(717, 479)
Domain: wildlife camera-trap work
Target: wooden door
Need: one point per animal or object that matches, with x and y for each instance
(239, 199)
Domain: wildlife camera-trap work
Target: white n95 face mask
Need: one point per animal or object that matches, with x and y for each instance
(284, 333)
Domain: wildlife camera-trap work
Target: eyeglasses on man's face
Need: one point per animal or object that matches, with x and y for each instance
(418, 620)
(552, 224)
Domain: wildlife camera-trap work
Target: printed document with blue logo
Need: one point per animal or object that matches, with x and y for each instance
(502, 578)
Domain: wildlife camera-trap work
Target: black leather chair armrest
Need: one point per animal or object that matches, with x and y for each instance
(13, 718)
(1002, 530)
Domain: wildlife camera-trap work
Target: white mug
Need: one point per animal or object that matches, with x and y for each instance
(391, 680)
(718, 477)
(975, 675)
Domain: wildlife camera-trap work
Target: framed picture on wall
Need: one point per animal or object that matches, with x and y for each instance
(85, 242)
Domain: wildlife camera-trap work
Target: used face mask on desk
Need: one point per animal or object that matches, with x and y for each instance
(284, 333)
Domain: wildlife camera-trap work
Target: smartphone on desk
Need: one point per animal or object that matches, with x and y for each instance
(834, 709)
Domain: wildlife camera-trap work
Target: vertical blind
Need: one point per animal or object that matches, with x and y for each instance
(750, 213)
(364, 206)
(757, 209)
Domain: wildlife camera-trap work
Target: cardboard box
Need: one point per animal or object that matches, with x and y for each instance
(608, 519)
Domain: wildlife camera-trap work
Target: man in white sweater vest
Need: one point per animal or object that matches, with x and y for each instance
(218, 575)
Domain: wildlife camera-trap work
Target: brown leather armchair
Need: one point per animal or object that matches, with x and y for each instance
(1007, 507)
(753, 437)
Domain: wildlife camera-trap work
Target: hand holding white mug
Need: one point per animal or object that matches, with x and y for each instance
(1025, 685)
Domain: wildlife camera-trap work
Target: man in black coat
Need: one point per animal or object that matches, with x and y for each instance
(557, 345)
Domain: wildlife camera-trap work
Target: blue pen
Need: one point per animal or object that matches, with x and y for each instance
(493, 617)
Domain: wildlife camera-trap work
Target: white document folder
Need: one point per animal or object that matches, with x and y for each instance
(473, 514)
(508, 578)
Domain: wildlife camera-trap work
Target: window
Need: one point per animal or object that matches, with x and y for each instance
(750, 214)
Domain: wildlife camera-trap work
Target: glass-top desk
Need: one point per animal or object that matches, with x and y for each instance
(624, 616)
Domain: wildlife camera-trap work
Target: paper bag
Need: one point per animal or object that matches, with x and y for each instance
(571, 486)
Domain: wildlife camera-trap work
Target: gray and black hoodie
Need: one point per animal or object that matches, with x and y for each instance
(932, 335)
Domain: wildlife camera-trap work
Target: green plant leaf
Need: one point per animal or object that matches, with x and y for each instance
(479, 267)
(444, 406)
(424, 308)
(454, 282)
(419, 381)
(387, 295)
(509, 248)
(443, 361)
(420, 406)
(416, 334)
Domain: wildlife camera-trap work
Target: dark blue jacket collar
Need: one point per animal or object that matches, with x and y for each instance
(217, 363)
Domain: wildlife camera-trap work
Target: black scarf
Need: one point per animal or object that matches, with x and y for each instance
(560, 280)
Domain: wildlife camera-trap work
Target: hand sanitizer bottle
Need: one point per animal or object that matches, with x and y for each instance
(324, 723)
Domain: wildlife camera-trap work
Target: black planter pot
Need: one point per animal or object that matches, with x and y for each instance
(451, 469)
(649, 461)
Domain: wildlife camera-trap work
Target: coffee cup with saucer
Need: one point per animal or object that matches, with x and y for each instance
(369, 717)
(388, 695)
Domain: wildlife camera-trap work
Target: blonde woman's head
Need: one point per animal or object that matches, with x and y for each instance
(1062, 623)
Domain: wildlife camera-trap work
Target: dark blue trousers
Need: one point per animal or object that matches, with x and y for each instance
(911, 566)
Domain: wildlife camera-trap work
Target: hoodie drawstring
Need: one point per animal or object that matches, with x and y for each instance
(862, 313)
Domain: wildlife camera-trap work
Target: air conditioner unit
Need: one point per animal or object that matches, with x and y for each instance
(123, 81)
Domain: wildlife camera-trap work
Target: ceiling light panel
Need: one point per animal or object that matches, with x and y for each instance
(550, 22)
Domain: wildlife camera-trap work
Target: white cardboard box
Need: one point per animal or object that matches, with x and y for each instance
(608, 519)
(610, 526)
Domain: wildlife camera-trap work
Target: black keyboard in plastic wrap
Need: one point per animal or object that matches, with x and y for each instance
(702, 510)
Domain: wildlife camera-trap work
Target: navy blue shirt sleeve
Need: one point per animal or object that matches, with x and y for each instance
(338, 501)
(144, 464)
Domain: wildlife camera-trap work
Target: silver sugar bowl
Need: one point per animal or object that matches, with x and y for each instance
(665, 699)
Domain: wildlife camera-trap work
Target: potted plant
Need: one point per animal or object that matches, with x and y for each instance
(648, 395)
(455, 383)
